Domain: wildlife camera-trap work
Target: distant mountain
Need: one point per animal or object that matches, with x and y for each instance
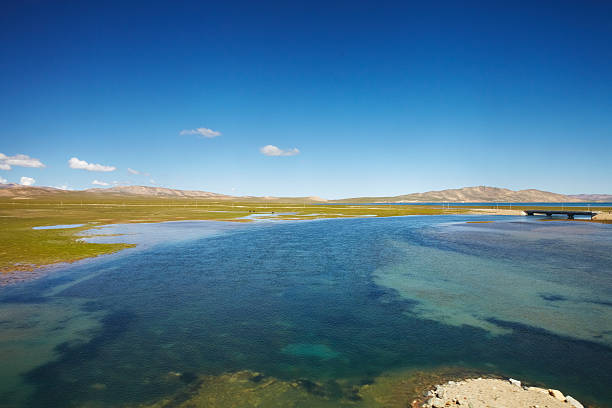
(470, 195)
(155, 192)
(19, 192)
(602, 198)
(466, 194)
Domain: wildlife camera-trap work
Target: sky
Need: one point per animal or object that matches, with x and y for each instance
(303, 98)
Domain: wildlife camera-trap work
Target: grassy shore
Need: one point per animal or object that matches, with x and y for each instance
(25, 249)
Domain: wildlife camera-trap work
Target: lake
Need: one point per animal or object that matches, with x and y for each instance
(321, 312)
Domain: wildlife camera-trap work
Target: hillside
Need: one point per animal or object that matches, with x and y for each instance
(470, 195)
(19, 192)
(466, 194)
(155, 192)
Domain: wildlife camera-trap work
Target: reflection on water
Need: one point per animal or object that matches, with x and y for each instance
(324, 309)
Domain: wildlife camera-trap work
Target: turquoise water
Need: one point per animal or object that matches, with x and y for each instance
(320, 300)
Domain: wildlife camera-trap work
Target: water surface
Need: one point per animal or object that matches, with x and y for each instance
(330, 302)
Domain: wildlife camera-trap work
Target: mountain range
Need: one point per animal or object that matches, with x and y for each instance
(483, 194)
(465, 194)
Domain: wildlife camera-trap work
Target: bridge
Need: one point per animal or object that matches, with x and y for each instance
(570, 214)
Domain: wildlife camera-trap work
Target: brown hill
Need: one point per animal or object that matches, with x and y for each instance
(470, 195)
(19, 192)
(466, 194)
(155, 192)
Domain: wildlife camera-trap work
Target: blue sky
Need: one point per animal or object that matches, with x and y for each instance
(355, 98)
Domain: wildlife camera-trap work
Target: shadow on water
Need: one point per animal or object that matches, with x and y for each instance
(62, 377)
(296, 302)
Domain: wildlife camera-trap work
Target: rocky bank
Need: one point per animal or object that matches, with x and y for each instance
(487, 393)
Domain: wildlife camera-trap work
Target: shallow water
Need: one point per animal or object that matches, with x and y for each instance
(64, 226)
(327, 302)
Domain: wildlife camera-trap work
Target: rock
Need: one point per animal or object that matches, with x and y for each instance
(440, 392)
(437, 403)
(573, 402)
(557, 394)
(515, 382)
(538, 389)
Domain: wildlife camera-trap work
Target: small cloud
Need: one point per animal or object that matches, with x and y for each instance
(75, 163)
(152, 181)
(271, 150)
(99, 183)
(64, 187)
(3, 180)
(132, 171)
(22, 160)
(26, 181)
(203, 132)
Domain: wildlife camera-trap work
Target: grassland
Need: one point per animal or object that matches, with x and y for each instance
(25, 249)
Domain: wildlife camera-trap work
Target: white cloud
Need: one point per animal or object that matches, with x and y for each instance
(26, 181)
(271, 150)
(75, 163)
(203, 132)
(64, 187)
(132, 171)
(99, 183)
(22, 160)
(3, 180)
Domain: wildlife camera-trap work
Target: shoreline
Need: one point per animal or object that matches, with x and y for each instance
(34, 248)
(90, 250)
(26, 248)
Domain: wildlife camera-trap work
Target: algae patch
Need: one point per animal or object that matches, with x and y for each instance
(246, 389)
